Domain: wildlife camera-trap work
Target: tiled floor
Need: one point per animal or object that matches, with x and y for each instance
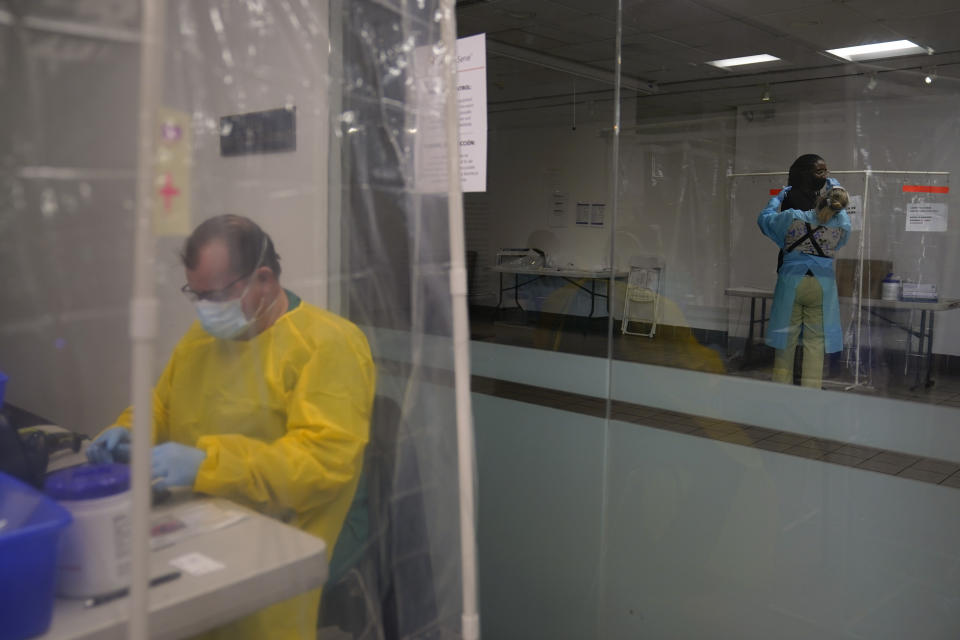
(942, 472)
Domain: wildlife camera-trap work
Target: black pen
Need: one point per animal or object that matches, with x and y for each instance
(119, 593)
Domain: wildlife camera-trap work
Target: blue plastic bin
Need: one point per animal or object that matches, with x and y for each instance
(30, 528)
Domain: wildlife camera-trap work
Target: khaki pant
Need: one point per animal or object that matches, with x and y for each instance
(807, 313)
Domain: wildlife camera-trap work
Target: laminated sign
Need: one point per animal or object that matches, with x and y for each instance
(171, 183)
(926, 216)
(430, 164)
(472, 108)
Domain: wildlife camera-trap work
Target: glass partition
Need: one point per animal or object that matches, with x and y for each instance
(670, 487)
(784, 404)
(540, 274)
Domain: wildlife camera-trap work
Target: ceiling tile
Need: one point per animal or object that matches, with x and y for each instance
(752, 8)
(941, 32)
(603, 8)
(588, 51)
(651, 43)
(893, 10)
(729, 36)
(839, 27)
(521, 38)
(480, 18)
(583, 29)
(537, 11)
(652, 16)
(651, 71)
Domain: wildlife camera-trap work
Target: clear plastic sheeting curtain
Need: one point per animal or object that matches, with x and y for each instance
(673, 191)
(899, 194)
(324, 124)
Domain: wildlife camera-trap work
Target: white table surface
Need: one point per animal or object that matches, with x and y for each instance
(748, 292)
(943, 304)
(561, 273)
(265, 562)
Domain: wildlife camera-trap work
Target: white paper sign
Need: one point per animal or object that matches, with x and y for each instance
(926, 216)
(596, 214)
(197, 564)
(472, 104)
(855, 213)
(430, 150)
(583, 213)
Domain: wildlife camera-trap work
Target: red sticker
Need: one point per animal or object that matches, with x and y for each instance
(919, 188)
(774, 192)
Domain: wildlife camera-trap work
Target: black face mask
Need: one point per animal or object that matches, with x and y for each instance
(803, 196)
(802, 199)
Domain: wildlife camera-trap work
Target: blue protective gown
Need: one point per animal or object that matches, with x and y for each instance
(775, 224)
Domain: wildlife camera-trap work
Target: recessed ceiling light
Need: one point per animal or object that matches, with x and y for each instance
(735, 62)
(879, 50)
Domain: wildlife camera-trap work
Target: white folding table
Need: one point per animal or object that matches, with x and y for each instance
(570, 275)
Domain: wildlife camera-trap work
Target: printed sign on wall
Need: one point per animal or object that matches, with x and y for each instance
(855, 213)
(472, 107)
(597, 212)
(926, 216)
(583, 213)
(171, 194)
(430, 153)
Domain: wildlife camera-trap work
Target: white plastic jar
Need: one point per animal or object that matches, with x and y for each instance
(890, 288)
(94, 556)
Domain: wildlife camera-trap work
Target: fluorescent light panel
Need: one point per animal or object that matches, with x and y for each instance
(878, 50)
(735, 62)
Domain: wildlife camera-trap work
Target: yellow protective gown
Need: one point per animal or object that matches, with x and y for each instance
(283, 418)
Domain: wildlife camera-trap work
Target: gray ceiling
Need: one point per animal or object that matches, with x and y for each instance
(666, 44)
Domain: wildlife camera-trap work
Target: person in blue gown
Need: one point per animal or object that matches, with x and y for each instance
(809, 222)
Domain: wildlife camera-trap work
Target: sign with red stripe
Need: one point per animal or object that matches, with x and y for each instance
(921, 188)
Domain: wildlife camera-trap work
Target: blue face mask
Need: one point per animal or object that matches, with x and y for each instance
(223, 319)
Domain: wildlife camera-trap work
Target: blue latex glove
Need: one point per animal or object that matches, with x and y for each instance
(175, 465)
(783, 194)
(113, 445)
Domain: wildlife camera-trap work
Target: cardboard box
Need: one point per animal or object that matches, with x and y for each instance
(874, 271)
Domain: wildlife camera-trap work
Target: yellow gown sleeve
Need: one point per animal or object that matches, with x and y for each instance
(161, 404)
(327, 428)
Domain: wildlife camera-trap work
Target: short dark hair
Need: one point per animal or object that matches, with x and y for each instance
(248, 246)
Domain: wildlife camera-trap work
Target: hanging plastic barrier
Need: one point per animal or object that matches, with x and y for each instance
(225, 278)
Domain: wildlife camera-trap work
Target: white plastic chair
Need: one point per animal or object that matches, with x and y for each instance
(641, 304)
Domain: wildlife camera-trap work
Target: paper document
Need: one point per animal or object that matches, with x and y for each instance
(191, 520)
(926, 216)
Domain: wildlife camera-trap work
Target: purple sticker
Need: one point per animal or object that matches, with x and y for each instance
(170, 132)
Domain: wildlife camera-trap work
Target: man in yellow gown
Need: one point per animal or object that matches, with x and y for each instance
(265, 400)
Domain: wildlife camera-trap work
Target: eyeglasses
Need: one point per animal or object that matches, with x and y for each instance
(222, 295)
(214, 295)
